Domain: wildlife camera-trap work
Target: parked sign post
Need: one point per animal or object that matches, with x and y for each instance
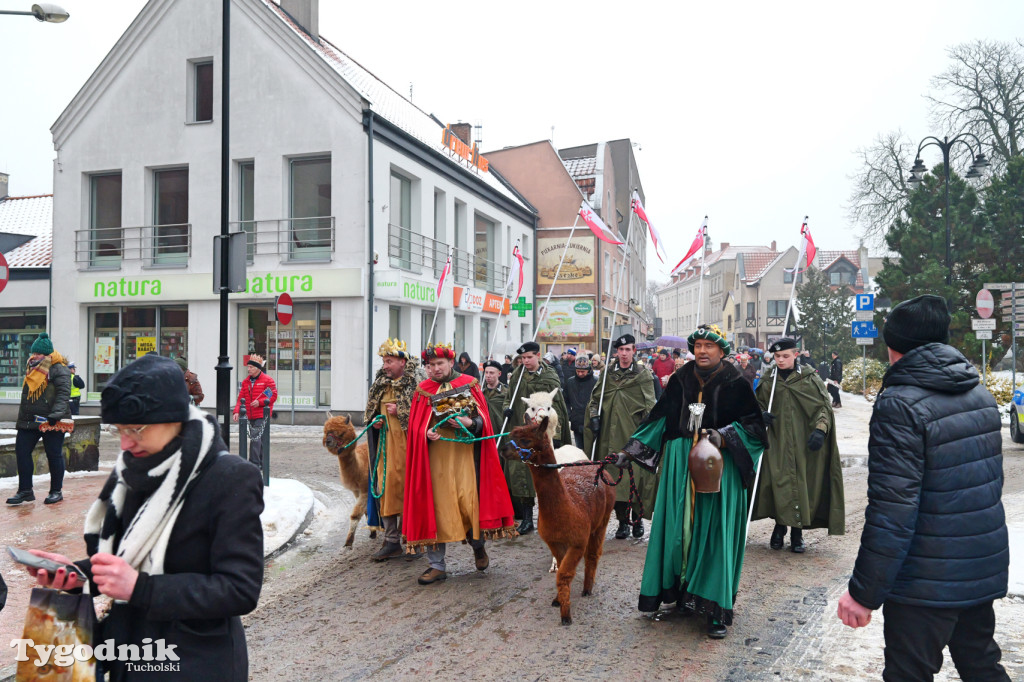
(865, 332)
(283, 314)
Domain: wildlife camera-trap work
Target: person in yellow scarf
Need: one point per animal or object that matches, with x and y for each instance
(44, 404)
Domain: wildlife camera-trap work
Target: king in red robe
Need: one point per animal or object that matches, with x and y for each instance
(454, 491)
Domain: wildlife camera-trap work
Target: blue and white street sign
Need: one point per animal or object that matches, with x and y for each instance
(865, 330)
(865, 302)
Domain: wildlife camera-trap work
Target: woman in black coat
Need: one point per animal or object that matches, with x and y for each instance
(44, 403)
(181, 555)
(467, 366)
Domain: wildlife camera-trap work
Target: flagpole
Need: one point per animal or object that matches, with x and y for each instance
(497, 323)
(551, 290)
(775, 378)
(700, 285)
(611, 329)
(433, 323)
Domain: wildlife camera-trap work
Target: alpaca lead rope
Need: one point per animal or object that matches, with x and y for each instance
(382, 451)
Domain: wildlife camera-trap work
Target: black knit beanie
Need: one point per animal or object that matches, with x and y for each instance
(150, 390)
(914, 323)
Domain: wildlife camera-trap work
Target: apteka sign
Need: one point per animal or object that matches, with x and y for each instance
(471, 154)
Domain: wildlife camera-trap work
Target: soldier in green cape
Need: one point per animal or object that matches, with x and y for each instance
(627, 389)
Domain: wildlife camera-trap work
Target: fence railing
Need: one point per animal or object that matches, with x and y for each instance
(293, 239)
(158, 245)
(414, 252)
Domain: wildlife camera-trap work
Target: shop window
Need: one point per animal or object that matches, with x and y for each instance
(120, 335)
(247, 205)
(17, 332)
(394, 322)
(426, 322)
(174, 333)
(486, 329)
(170, 244)
(310, 224)
(105, 239)
(324, 353)
(460, 335)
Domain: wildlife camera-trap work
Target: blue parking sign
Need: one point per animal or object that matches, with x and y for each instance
(865, 301)
(865, 330)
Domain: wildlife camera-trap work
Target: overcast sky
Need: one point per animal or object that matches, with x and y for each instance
(749, 112)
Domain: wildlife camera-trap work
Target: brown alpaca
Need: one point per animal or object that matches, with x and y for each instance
(354, 465)
(573, 513)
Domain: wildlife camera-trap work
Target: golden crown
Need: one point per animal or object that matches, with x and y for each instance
(394, 348)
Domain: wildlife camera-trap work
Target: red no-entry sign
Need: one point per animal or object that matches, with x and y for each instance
(985, 303)
(5, 272)
(283, 309)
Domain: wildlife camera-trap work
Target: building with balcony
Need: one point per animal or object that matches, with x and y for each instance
(350, 195)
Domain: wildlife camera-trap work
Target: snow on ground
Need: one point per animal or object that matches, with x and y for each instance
(11, 482)
(287, 504)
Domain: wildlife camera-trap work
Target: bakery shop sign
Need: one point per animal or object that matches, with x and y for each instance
(470, 155)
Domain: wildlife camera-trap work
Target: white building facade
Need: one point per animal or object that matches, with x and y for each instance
(351, 197)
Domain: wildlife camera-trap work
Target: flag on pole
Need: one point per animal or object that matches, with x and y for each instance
(697, 245)
(444, 274)
(597, 225)
(808, 243)
(519, 257)
(638, 208)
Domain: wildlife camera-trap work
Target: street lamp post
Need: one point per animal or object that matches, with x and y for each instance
(43, 11)
(979, 163)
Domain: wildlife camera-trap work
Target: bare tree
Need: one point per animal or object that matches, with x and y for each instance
(982, 92)
(880, 188)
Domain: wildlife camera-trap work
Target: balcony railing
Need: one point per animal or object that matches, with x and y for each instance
(155, 245)
(292, 239)
(414, 252)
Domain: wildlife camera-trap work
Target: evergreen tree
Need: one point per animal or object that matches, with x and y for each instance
(919, 242)
(825, 316)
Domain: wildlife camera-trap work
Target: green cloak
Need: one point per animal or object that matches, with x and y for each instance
(800, 487)
(495, 399)
(628, 398)
(520, 483)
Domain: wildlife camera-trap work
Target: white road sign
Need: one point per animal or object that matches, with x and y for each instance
(865, 341)
(983, 335)
(864, 315)
(988, 324)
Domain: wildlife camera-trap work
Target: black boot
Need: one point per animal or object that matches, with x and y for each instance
(796, 540)
(526, 525)
(638, 529)
(715, 629)
(778, 537)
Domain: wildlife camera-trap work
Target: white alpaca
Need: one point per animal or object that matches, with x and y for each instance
(538, 406)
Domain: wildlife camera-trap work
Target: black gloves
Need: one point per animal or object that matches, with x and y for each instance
(508, 413)
(768, 417)
(621, 459)
(816, 439)
(714, 437)
(52, 421)
(595, 425)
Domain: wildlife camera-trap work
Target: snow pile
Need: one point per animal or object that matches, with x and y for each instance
(287, 504)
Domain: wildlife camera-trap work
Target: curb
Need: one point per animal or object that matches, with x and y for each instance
(290, 541)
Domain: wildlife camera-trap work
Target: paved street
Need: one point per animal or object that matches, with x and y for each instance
(327, 613)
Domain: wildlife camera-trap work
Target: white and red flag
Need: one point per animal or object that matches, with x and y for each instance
(444, 275)
(807, 245)
(519, 257)
(638, 208)
(597, 225)
(697, 245)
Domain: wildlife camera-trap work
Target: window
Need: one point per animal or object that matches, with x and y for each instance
(18, 329)
(426, 322)
(607, 274)
(461, 268)
(310, 209)
(394, 322)
(777, 308)
(787, 277)
(751, 311)
(439, 210)
(460, 335)
(247, 205)
(485, 337)
(170, 217)
(483, 252)
(105, 220)
(203, 92)
(400, 217)
(835, 278)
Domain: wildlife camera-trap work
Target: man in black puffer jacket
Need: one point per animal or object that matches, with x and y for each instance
(934, 552)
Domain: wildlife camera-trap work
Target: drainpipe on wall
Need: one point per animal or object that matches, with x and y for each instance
(368, 122)
(536, 273)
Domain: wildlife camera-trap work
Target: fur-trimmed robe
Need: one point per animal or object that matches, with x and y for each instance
(405, 387)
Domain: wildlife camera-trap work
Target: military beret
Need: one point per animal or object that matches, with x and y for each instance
(784, 343)
(623, 340)
(528, 347)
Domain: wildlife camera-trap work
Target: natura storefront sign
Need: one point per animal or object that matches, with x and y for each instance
(399, 286)
(113, 288)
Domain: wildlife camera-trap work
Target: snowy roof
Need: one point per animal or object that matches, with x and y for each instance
(828, 259)
(29, 216)
(581, 167)
(756, 264)
(389, 104)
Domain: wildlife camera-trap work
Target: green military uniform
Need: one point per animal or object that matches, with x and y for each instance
(628, 398)
(520, 483)
(800, 487)
(495, 400)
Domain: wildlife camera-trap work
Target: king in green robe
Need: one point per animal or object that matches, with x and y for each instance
(695, 551)
(624, 396)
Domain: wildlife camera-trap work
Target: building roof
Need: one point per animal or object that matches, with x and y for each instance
(387, 103)
(32, 216)
(756, 264)
(828, 259)
(581, 167)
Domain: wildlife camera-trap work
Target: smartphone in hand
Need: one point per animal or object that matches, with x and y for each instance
(49, 565)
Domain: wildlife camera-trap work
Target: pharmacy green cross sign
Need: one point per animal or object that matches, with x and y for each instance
(521, 307)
